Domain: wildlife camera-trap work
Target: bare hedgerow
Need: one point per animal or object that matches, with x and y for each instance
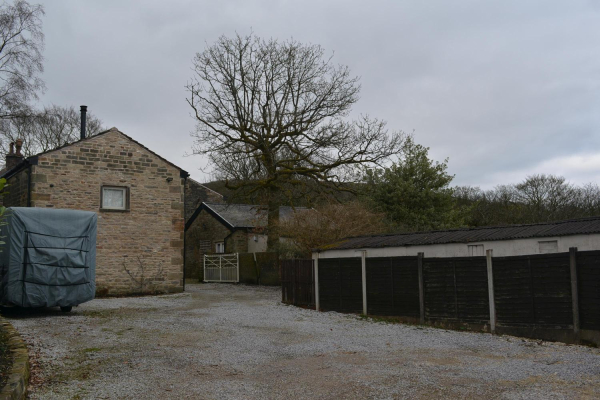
(327, 224)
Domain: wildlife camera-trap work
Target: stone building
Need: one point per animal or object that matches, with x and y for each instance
(139, 198)
(226, 228)
(196, 194)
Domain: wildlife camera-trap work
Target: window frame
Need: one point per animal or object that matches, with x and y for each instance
(222, 244)
(124, 189)
(471, 247)
(545, 244)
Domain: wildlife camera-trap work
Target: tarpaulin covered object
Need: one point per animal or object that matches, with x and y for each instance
(49, 257)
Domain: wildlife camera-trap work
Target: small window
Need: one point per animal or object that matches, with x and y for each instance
(549, 246)
(114, 198)
(220, 247)
(475, 250)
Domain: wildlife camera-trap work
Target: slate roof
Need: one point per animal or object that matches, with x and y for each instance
(237, 216)
(559, 228)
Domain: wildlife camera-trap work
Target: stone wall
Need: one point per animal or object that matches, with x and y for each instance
(18, 374)
(259, 245)
(148, 236)
(15, 195)
(237, 242)
(200, 239)
(195, 194)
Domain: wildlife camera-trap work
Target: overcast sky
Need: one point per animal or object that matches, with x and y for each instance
(503, 90)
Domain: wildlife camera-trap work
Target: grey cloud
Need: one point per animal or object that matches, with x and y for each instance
(497, 87)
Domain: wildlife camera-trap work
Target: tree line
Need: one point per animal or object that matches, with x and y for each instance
(415, 194)
(538, 198)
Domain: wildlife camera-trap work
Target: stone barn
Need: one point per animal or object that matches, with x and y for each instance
(139, 198)
(214, 228)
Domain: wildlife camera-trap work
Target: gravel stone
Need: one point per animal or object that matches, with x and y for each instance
(240, 342)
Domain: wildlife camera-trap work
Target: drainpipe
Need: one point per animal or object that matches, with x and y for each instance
(184, 221)
(29, 186)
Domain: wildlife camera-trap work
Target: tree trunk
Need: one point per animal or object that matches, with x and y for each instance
(273, 224)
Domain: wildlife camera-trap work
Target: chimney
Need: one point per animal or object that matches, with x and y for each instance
(12, 158)
(83, 113)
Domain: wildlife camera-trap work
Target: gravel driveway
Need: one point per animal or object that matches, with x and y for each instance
(239, 342)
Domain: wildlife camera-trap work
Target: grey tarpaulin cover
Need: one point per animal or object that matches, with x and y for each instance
(49, 257)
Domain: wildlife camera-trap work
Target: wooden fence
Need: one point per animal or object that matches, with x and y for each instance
(533, 290)
(340, 285)
(554, 291)
(456, 289)
(392, 286)
(297, 282)
(588, 280)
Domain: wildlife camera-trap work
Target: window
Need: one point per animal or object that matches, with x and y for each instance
(220, 247)
(475, 250)
(114, 198)
(549, 246)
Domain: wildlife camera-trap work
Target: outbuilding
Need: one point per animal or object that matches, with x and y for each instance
(512, 240)
(537, 280)
(215, 228)
(138, 197)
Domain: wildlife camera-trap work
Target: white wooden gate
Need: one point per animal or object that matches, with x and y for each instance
(221, 268)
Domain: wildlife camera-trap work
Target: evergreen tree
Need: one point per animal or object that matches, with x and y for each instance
(414, 193)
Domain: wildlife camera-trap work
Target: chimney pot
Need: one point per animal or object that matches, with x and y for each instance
(19, 145)
(12, 158)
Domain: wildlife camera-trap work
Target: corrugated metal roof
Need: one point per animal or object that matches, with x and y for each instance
(558, 228)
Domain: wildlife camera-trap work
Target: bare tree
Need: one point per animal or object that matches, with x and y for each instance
(21, 46)
(547, 197)
(47, 129)
(588, 199)
(270, 117)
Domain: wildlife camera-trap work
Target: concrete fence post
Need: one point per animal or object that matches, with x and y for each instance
(421, 287)
(363, 260)
(574, 291)
(492, 298)
(316, 267)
